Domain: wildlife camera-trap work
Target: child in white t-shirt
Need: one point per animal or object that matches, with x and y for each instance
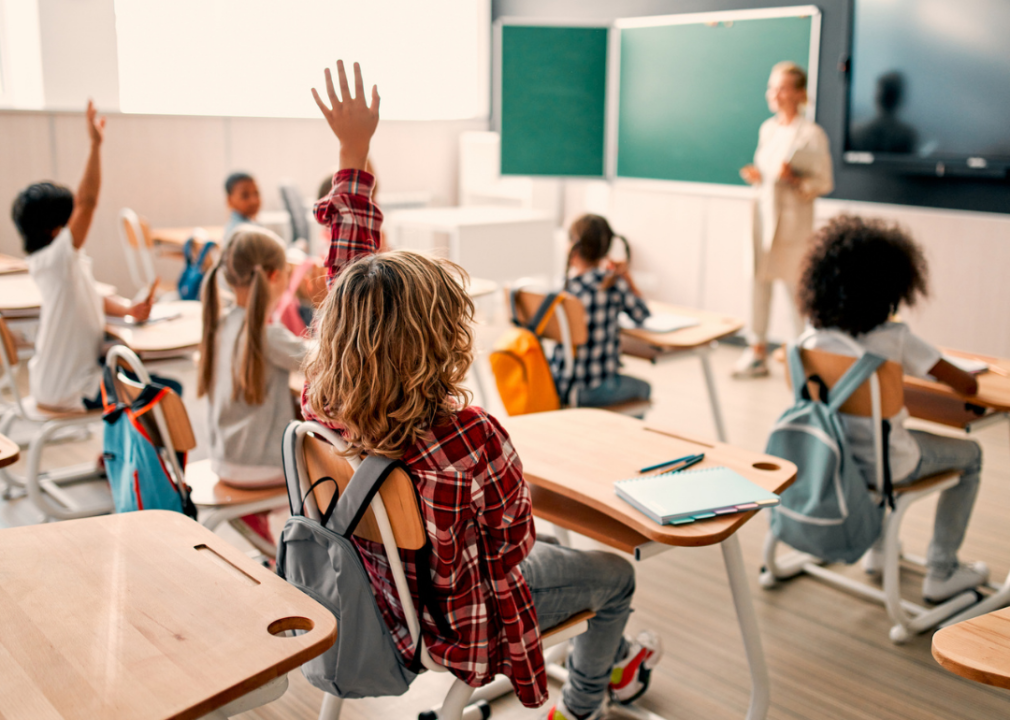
(857, 275)
(65, 372)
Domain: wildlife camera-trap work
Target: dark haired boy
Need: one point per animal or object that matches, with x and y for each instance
(243, 198)
(53, 223)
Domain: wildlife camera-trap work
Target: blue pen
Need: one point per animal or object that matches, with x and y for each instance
(688, 463)
(669, 462)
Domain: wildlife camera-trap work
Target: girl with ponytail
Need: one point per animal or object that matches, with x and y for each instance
(606, 290)
(245, 362)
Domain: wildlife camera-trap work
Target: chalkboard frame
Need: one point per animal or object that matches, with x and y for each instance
(614, 69)
(610, 90)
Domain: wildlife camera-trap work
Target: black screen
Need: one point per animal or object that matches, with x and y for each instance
(931, 79)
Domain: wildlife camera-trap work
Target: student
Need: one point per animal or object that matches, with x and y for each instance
(245, 363)
(857, 275)
(243, 197)
(606, 290)
(65, 372)
(395, 343)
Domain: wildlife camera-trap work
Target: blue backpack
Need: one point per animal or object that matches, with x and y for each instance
(828, 512)
(192, 275)
(138, 475)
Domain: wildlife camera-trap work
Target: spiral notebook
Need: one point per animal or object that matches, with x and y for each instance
(683, 497)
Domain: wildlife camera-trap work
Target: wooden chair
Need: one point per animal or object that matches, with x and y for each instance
(217, 501)
(394, 520)
(138, 247)
(44, 487)
(569, 327)
(882, 396)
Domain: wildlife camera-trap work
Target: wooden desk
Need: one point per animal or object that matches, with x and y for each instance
(20, 297)
(167, 338)
(10, 265)
(174, 238)
(9, 451)
(571, 459)
(142, 615)
(698, 340)
(937, 402)
(978, 649)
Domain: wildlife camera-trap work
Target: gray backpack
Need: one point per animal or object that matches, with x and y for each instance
(321, 560)
(828, 512)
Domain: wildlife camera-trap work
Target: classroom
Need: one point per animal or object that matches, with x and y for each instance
(562, 359)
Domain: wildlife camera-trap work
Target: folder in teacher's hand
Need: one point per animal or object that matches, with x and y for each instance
(677, 498)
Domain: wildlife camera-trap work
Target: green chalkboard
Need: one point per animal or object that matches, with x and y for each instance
(553, 100)
(692, 95)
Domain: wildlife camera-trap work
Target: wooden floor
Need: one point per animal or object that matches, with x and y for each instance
(828, 653)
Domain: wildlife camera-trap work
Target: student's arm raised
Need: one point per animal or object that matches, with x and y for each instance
(87, 192)
(354, 220)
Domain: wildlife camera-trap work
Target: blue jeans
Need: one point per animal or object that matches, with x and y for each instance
(940, 453)
(563, 582)
(614, 390)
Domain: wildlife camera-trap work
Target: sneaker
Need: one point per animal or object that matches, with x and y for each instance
(750, 366)
(630, 677)
(560, 712)
(965, 577)
(873, 560)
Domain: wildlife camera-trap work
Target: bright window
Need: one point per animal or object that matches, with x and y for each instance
(429, 58)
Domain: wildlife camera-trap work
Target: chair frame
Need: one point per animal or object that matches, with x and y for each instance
(459, 702)
(908, 618)
(137, 247)
(43, 486)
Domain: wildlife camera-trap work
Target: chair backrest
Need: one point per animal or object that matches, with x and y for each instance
(295, 205)
(9, 358)
(170, 414)
(135, 236)
(528, 301)
(322, 459)
(393, 517)
(830, 368)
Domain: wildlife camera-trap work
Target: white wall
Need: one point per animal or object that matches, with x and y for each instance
(693, 249)
(171, 168)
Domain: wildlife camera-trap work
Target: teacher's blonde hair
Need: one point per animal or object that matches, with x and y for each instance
(395, 344)
(788, 67)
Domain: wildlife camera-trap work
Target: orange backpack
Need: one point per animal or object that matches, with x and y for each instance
(520, 368)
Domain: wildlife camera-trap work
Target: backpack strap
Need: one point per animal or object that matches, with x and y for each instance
(543, 314)
(204, 251)
(187, 251)
(856, 375)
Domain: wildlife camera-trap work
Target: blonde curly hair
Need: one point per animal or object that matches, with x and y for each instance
(395, 344)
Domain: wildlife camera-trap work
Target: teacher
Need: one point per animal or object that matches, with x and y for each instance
(792, 166)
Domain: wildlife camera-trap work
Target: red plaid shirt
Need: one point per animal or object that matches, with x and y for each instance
(475, 504)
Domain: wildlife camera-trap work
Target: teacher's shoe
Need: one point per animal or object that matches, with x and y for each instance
(750, 365)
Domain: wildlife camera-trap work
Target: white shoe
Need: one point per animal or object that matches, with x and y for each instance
(965, 577)
(750, 366)
(873, 560)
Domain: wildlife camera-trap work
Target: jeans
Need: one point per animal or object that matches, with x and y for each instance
(940, 453)
(614, 390)
(564, 582)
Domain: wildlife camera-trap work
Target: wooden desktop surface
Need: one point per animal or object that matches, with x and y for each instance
(9, 451)
(978, 649)
(10, 265)
(19, 295)
(993, 385)
(176, 237)
(143, 615)
(577, 455)
(713, 326)
(181, 333)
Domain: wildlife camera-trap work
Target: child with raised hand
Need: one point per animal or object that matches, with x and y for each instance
(65, 372)
(245, 362)
(395, 343)
(857, 275)
(606, 290)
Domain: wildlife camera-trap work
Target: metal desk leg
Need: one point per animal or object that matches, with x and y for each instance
(713, 397)
(760, 693)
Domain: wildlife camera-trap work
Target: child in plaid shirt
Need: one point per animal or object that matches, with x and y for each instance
(395, 343)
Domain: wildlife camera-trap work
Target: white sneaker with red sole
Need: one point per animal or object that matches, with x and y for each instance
(630, 677)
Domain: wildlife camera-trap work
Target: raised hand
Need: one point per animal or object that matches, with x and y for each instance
(96, 125)
(750, 175)
(350, 118)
